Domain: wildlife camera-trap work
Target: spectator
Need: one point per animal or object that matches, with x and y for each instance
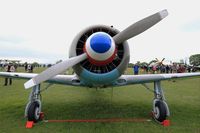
(162, 69)
(146, 68)
(26, 66)
(189, 69)
(154, 69)
(174, 68)
(193, 69)
(30, 68)
(181, 69)
(167, 69)
(171, 70)
(136, 69)
(9, 68)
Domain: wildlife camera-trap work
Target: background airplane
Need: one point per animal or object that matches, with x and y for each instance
(99, 56)
(157, 62)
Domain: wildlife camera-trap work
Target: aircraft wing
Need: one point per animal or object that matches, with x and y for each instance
(147, 78)
(123, 80)
(59, 79)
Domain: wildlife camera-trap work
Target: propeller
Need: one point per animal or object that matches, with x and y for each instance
(160, 62)
(157, 60)
(124, 35)
(54, 70)
(163, 59)
(139, 27)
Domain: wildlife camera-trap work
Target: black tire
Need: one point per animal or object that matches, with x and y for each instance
(161, 111)
(33, 112)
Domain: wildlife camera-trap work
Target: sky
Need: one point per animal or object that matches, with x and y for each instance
(42, 30)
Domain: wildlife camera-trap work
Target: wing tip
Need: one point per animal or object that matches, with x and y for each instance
(163, 13)
(29, 84)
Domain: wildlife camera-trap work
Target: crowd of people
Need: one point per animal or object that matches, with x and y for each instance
(10, 67)
(174, 68)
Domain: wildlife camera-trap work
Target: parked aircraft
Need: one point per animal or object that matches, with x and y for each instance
(99, 55)
(158, 63)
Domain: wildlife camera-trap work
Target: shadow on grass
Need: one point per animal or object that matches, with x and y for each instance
(97, 109)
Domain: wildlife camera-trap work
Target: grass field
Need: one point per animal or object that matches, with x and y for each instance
(66, 102)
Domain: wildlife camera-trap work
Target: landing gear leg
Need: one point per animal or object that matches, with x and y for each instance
(33, 107)
(160, 107)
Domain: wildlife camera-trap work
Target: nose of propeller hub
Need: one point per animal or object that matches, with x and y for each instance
(100, 43)
(100, 48)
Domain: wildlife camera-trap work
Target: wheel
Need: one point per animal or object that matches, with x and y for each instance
(160, 111)
(34, 112)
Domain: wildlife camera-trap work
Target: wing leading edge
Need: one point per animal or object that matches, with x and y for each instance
(59, 79)
(146, 78)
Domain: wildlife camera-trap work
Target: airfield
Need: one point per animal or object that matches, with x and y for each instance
(65, 102)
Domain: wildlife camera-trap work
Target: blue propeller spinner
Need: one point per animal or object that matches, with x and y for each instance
(100, 43)
(100, 48)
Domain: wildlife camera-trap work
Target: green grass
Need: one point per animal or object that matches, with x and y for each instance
(66, 102)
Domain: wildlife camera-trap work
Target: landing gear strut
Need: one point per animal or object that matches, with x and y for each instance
(160, 107)
(33, 107)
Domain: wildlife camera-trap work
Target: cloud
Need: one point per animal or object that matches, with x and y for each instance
(45, 29)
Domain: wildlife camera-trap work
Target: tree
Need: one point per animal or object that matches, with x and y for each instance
(49, 65)
(35, 64)
(195, 59)
(130, 65)
(144, 64)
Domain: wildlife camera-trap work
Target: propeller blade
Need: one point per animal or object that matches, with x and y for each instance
(157, 59)
(54, 70)
(139, 27)
(163, 59)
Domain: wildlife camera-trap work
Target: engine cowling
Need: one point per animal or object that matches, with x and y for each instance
(106, 61)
